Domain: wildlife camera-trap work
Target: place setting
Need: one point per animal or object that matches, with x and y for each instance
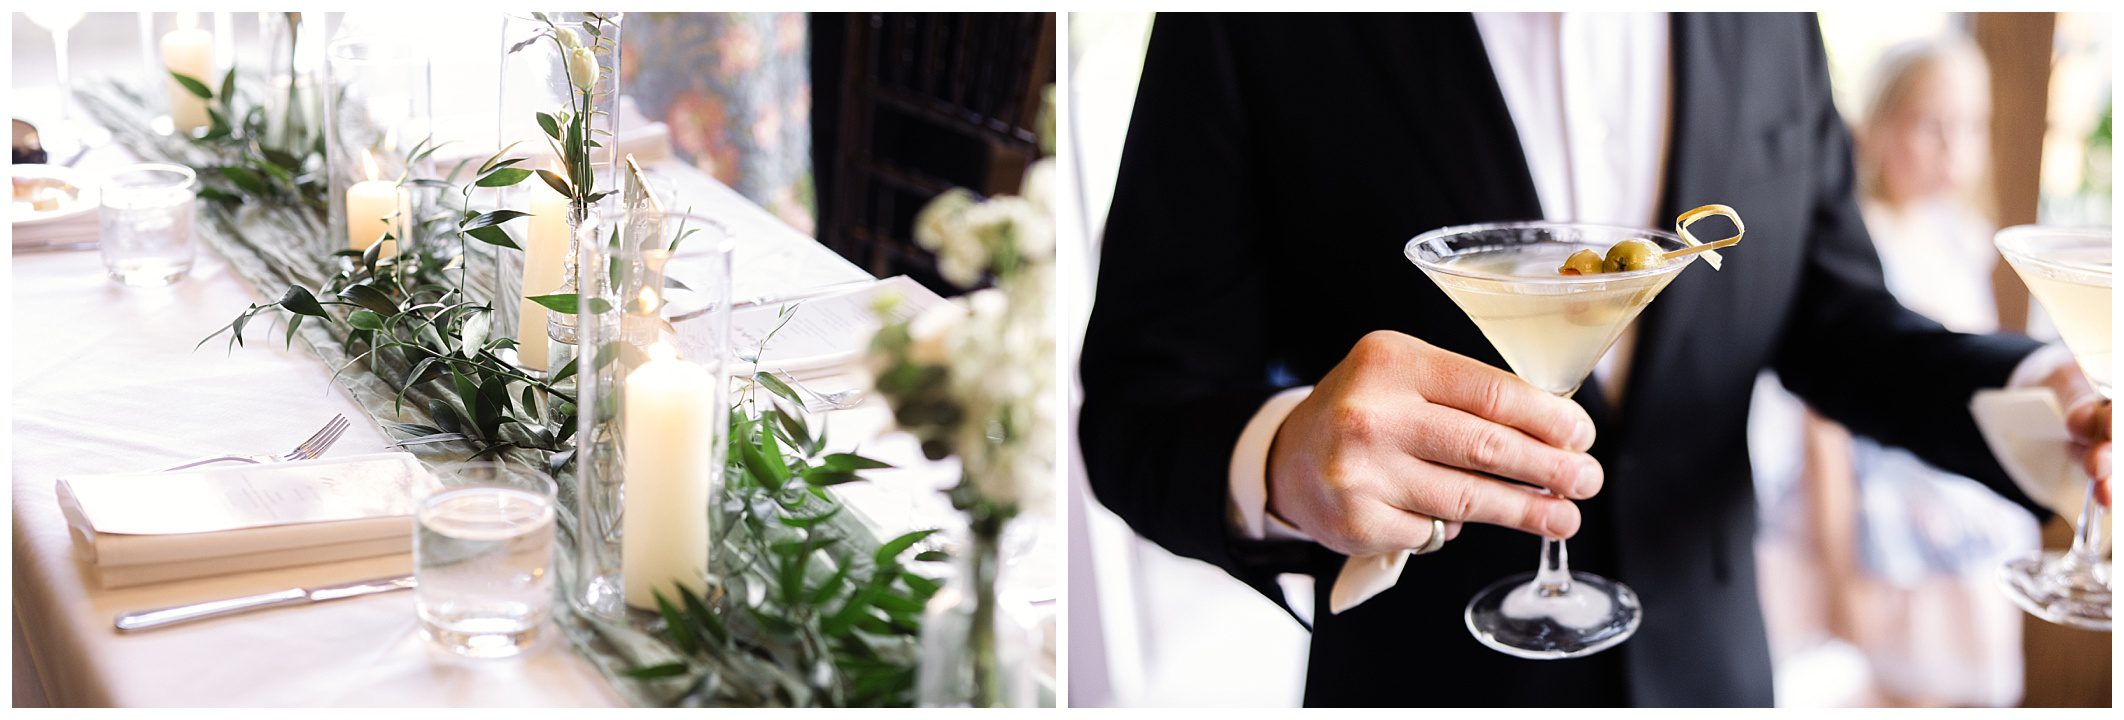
(647, 425)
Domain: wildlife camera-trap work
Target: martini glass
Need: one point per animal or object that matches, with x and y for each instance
(2067, 270)
(1551, 329)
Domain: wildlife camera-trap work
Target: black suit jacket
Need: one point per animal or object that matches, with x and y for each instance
(1274, 168)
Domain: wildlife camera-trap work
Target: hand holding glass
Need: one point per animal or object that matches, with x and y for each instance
(1551, 329)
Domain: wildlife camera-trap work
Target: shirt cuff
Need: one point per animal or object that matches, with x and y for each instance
(1248, 507)
(2038, 366)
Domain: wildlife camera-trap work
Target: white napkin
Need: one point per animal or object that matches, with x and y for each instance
(2026, 431)
(1364, 576)
(153, 527)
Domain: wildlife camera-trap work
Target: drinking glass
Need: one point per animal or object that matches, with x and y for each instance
(147, 223)
(483, 558)
(1551, 329)
(2067, 270)
(73, 134)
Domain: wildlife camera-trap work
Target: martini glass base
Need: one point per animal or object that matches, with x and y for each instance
(2056, 587)
(1515, 617)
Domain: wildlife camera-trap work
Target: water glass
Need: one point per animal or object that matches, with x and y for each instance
(147, 223)
(483, 557)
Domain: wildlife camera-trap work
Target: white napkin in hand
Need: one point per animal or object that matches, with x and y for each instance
(2026, 431)
(1364, 576)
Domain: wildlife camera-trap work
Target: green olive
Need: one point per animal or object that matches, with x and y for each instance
(1583, 262)
(1633, 254)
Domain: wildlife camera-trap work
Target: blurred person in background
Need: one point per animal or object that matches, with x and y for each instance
(1911, 552)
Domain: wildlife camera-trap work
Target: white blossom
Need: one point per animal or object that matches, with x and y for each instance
(1038, 187)
(567, 37)
(933, 333)
(943, 228)
(996, 345)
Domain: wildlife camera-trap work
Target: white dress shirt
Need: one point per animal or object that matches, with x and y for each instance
(1589, 95)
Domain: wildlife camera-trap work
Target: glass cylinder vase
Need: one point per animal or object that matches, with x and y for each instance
(653, 418)
(377, 111)
(973, 652)
(292, 48)
(559, 88)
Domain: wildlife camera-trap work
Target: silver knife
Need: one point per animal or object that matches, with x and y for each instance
(150, 619)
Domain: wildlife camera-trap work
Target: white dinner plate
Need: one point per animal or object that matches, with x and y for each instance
(84, 195)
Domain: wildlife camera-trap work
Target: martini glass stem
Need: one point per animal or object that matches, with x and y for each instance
(2086, 553)
(1553, 578)
(1554, 575)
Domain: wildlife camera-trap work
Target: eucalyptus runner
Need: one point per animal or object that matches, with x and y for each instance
(805, 607)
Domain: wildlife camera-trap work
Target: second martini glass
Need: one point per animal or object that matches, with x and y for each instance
(1551, 329)
(2068, 272)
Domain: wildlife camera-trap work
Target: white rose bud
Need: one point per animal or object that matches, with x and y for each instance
(568, 39)
(582, 68)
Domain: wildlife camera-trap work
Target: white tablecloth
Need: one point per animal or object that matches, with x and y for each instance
(106, 380)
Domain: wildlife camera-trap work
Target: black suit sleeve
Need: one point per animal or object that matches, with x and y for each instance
(1857, 355)
(1174, 361)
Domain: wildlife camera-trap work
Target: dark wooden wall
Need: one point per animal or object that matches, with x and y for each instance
(907, 105)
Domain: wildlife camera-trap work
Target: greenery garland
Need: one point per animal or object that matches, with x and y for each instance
(805, 607)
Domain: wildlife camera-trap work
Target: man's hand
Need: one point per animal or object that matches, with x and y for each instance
(2087, 416)
(1401, 431)
(2089, 421)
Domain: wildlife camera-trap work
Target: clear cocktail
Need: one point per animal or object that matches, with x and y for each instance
(1551, 328)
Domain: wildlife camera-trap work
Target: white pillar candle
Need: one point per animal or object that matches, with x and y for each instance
(666, 416)
(545, 255)
(188, 51)
(375, 207)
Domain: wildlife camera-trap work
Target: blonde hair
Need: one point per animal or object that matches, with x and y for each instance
(1899, 69)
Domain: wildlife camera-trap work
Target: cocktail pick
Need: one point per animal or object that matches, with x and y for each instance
(1710, 249)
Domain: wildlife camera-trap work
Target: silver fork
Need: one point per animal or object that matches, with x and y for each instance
(309, 449)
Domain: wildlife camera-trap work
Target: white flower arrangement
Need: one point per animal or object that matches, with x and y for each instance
(975, 378)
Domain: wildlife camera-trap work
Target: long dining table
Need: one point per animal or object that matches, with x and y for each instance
(106, 379)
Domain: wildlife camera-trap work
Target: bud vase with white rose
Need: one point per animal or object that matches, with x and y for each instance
(560, 86)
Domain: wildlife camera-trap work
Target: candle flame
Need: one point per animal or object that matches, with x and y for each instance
(662, 352)
(368, 164)
(648, 300)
